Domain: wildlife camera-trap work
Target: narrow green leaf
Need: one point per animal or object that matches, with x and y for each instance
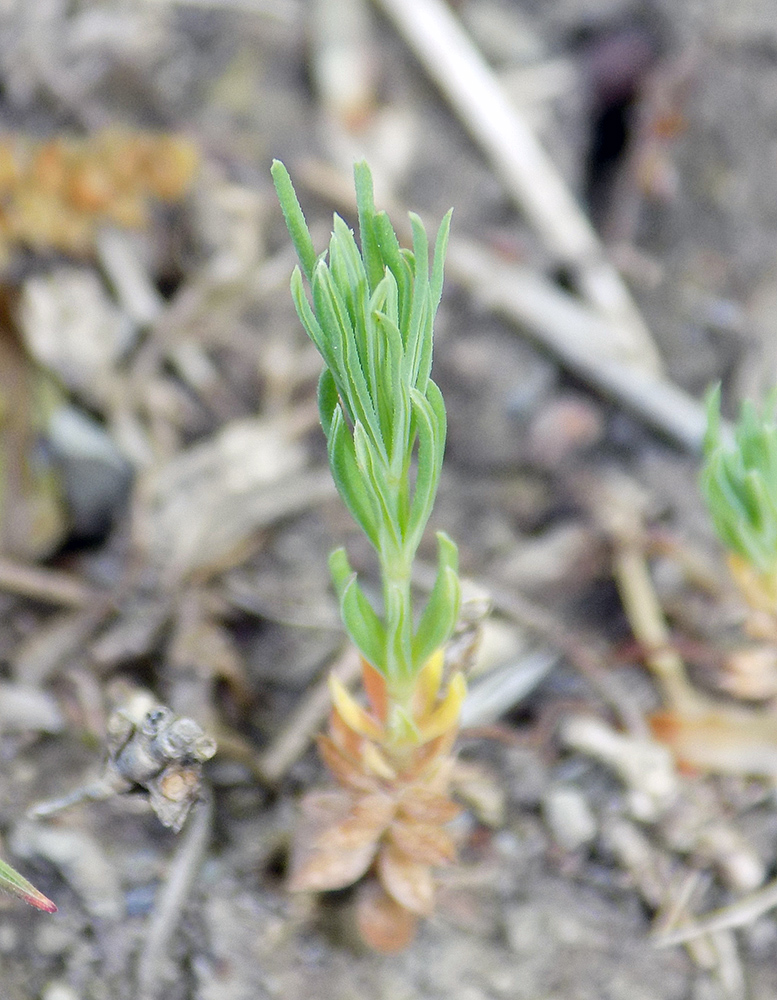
(429, 412)
(391, 252)
(438, 265)
(330, 352)
(350, 481)
(365, 203)
(359, 617)
(373, 472)
(346, 265)
(295, 219)
(712, 407)
(442, 609)
(420, 293)
(334, 316)
(13, 882)
(328, 400)
(422, 363)
(383, 302)
(399, 663)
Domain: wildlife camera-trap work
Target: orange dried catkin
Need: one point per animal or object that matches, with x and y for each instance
(55, 194)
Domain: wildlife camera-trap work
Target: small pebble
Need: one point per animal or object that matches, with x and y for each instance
(567, 425)
(53, 938)
(59, 991)
(568, 817)
(9, 939)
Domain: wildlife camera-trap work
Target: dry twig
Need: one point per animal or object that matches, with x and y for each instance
(172, 898)
(48, 585)
(745, 911)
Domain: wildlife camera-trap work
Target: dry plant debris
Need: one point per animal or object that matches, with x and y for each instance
(149, 749)
(54, 194)
(171, 391)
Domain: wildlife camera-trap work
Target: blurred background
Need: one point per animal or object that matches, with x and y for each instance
(166, 510)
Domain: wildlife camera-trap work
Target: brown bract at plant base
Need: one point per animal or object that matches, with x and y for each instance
(371, 319)
(389, 813)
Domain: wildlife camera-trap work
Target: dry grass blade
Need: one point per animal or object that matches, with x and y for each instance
(740, 914)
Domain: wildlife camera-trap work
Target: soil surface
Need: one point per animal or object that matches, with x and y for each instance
(171, 476)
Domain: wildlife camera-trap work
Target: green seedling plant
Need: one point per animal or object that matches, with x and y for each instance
(739, 483)
(370, 313)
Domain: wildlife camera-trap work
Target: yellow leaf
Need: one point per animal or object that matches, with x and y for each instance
(351, 712)
(446, 716)
(428, 684)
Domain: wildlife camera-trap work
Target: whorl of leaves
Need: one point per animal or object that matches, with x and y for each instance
(739, 481)
(370, 314)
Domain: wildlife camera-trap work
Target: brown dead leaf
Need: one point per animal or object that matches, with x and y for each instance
(408, 882)
(423, 842)
(383, 924)
(315, 864)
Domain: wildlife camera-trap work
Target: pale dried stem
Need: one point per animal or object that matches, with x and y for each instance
(649, 627)
(172, 898)
(48, 585)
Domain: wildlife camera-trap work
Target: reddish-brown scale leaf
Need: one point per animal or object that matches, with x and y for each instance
(423, 842)
(423, 806)
(375, 688)
(367, 821)
(408, 882)
(316, 865)
(346, 770)
(383, 924)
